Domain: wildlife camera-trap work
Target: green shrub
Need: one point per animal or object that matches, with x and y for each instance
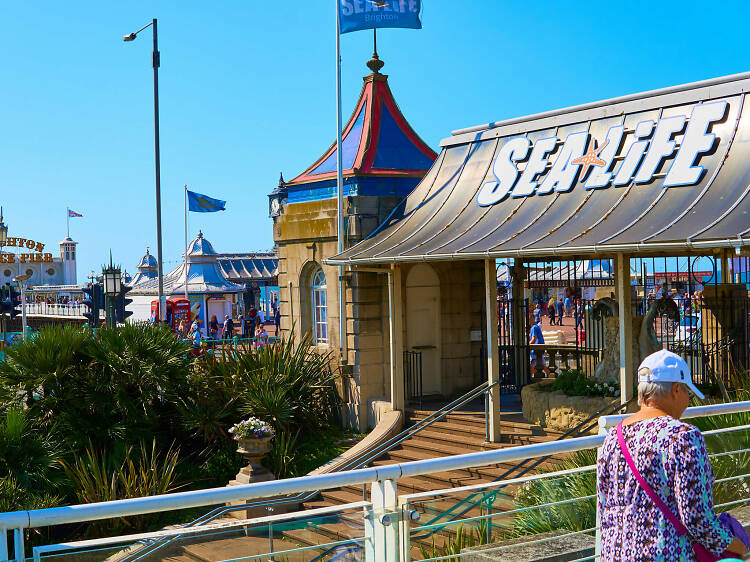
(576, 383)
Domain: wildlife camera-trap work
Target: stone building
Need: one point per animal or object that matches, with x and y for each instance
(383, 160)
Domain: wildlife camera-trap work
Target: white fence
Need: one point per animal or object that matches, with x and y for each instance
(390, 523)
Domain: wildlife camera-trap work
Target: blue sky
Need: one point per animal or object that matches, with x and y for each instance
(247, 91)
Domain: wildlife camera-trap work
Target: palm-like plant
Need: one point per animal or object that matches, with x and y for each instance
(142, 471)
(28, 455)
(576, 515)
(288, 384)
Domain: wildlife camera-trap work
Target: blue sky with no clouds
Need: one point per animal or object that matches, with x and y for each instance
(247, 91)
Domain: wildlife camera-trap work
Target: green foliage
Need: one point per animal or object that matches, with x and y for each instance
(573, 515)
(451, 550)
(77, 406)
(99, 476)
(28, 457)
(735, 464)
(576, 383)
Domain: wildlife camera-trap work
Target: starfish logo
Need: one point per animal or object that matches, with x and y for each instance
(380, 3)
(591, 158)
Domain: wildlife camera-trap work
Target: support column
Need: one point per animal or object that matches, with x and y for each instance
(725, 278)
(381, 524)
(492, 344)
(396, 326)
(623, 289)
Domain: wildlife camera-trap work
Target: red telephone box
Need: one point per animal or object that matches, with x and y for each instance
(177, 310)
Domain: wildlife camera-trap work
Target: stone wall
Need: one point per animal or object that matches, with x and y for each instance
(556, 410)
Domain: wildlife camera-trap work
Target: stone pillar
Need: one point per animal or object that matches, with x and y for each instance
(493, 360)
(396, 328)
(623, 290)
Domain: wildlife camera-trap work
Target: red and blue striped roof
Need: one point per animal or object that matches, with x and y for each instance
(377, 141)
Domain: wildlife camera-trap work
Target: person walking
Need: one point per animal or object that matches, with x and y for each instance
(551, 311)
(560, 312)
(537, 360)
(213, 328)
(228, 329)
(654, 478)
(277, 320)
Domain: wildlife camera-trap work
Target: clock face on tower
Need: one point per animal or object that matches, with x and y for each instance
(275, 207)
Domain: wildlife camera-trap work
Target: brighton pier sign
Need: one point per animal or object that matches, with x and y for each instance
(581, 159)
(37, 256)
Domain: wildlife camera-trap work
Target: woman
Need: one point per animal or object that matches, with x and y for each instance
(213, 328)
(671, 458)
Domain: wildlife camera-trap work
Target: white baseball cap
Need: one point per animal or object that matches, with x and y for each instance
(665, 366)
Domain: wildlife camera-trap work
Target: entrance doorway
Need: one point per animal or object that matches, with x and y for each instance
(423, 324)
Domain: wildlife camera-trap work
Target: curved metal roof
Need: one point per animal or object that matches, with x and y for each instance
(667, 170)
(244, 268)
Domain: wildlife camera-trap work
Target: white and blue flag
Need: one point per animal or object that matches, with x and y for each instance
(355, 15)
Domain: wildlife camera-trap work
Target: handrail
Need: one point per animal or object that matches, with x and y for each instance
(26, 519)
(581, 429)
(354, 464)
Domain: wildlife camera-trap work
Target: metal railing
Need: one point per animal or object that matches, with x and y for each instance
(413, 376)
(387, 517)
(354, 464)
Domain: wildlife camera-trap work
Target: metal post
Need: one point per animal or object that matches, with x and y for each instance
(381, 529)
(340, 195)
(23, 309)
(493, 361)
(155, 62)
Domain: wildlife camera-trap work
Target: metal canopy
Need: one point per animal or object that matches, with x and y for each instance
(668, 171)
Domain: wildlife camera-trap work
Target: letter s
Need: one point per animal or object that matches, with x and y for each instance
(505, 172)
(346, 8)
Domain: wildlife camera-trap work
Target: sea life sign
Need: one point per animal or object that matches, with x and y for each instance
(669, 148)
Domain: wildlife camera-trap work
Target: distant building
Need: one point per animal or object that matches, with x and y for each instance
(383, 160)
(26, 256)
(217, 284)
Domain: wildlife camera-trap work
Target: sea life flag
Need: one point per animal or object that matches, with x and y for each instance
(73, 214)
(355, 15)
(203, 203)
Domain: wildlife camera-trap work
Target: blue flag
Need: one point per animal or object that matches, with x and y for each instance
(203, 204)
(355, 15)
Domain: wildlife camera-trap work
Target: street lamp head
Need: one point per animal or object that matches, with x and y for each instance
(130, 37)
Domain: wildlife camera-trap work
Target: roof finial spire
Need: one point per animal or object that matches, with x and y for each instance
(281, 179)
(375, 64)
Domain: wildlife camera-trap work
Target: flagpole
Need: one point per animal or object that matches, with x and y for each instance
(67, 218)
(186, 245)
(340, 188)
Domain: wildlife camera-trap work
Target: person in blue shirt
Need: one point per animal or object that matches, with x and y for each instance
(537, 314)
(560, 312)
(567, 307)
(536, 337)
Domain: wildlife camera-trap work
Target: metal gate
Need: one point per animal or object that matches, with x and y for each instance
(413, 377)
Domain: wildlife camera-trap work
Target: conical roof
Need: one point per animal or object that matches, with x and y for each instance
(204, 274)
(377, 140)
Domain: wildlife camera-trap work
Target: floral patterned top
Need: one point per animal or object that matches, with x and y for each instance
(671, 456)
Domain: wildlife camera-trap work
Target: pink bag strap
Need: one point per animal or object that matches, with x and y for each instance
(681, 529)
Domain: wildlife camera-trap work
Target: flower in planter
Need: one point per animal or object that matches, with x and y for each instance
(251, 428)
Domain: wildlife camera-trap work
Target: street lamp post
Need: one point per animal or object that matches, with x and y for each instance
(155, 63)
(112, 285)
(3, 239)
(21, 280)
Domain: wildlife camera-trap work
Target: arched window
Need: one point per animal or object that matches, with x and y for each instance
(319, 310)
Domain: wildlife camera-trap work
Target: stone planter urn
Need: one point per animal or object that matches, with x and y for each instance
(253, 450)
